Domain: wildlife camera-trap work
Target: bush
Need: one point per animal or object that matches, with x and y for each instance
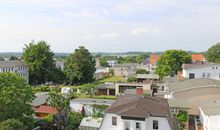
(142, 71)
(12, 124)
(132, 79)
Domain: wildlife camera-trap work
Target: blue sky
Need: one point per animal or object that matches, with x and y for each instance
(110, 25)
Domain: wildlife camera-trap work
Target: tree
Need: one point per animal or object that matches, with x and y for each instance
(171, 62)
(39, 59)
(103, 62)
(15, 99)
(12, 124)
(79, 67)
(14, 58)
(2, 59)
(213, 53)
(142, 71)
(88, 88)
(73, 120)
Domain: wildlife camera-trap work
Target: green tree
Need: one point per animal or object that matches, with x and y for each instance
(88, 89)
(213, 53)
(2, 59)
(79, 67)
(103, 62)
(39, 59)
(73, 120)
(12, 124)
(13, 58)
(171, 62)
(15, 99)
(142, 71)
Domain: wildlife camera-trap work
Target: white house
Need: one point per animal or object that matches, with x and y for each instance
(138, 113)
(125, 70)
(210, 115)
(201, 69)
(14, 66)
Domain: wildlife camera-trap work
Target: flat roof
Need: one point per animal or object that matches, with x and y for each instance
(148, 76)
(91, 122)
(92, 101)
(211, 107)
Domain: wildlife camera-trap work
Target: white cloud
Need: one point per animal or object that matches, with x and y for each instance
(90, 36)
(143, 30)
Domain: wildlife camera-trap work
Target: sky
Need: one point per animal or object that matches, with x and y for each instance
(110, 25)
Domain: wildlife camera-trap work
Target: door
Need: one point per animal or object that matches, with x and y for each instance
(191, 76)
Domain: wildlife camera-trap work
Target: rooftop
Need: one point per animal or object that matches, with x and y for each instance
(91, 122)
(11, 63)
(46, 109)
(126, 65)
(193, 83)
(211, 107)
(92, 101)
(198, 65)
(105, 86)
(147, 76)
(154, 58)
(41, 98)
(197, 57)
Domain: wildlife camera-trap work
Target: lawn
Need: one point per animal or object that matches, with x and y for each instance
(113, 79)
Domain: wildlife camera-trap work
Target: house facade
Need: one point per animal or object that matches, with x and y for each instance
(138, 113)
(210, 115)
(201, 70)
(125, 70)
(15, 66)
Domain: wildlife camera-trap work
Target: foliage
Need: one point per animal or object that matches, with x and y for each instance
(58, 101)
(79, 67)
(213, 53)
(45, 89)
(142, 71)
(88, 89)
(103, 62)
(13, 58)
(182, 116)
(73, 120)
(2, 59)
(39, 59)
(113, 79)
(15, 99)
(12, 124)
(48, 118)
(171, 62)
(131, 79)
(98, 110)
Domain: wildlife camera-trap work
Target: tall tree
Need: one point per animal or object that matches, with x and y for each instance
(171, 62)
(39, 59)
(79, 67)
(213, 53)
(15, 99)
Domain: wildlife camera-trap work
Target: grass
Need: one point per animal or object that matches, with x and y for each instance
(113, 79)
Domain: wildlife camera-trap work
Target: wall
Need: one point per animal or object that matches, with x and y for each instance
(209, 122)
(145, 125)
(214, 73)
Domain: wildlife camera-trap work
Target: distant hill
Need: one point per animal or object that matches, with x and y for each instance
(19, 54)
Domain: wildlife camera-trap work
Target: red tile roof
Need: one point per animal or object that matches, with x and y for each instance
(46, 109)
(154, 58)
(197, 57)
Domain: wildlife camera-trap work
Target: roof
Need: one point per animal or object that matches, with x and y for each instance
(46, 109)
(91, 122)
(211, 107)
(197, 57)
(198, 65)
(41, 98)
(11, 63)
(92, 101)
(193, 83)
(178, 103)
(141, 107)
(154, 58)
(148, 76)
(105, 86)
(126, 65)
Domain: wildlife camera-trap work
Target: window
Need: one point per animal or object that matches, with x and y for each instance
(203, 74)
(191, 75)
(114, 120)
(155, 125)
(213, 67)
(216, 67)
(138, 126)
(126, 125)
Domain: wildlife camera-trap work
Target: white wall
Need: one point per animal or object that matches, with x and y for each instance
(145, 125)
(211, 122)
(214, 73)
